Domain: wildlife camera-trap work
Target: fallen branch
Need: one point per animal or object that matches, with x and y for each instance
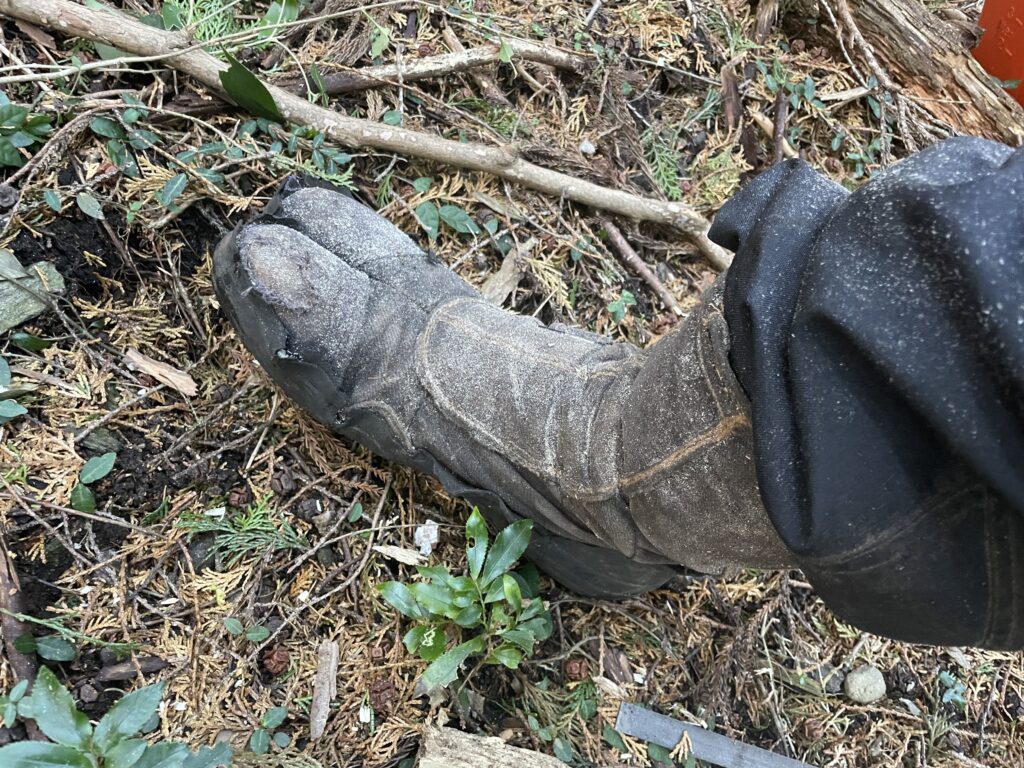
(122, 32)
(437, 66)
(633, 260)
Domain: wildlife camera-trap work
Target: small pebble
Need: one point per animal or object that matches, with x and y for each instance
(864, 685)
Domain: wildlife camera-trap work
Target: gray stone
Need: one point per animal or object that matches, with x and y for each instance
(101, 440)
(864, 685)
(24, 292)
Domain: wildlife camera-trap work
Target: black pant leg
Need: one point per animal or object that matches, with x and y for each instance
(880, 337)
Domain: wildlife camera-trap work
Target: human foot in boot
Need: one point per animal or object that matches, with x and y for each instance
(386, 346)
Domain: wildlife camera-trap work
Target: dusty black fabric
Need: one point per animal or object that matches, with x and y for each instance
(880, 338)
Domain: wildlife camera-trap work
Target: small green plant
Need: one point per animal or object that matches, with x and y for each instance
(95, 469)
(501, 606)
(619, 307)
(664, 158)
(953, 690)
(9, 407)
(9, 704)
(261, 738)
(254, 634)
(115, 741)
(19, 129)
(257, 529)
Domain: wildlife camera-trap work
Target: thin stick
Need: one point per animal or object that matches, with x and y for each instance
(123, 32)
(483, 81)
(437, 66)
(637, 264)
(779, 126)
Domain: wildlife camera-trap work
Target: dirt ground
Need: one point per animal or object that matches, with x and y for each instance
(233, 504)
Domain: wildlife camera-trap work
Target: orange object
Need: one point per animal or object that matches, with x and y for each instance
(1001, 51)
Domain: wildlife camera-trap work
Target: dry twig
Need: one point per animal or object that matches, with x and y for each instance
(633, 260)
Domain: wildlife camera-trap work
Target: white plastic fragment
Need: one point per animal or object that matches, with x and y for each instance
(426, 537)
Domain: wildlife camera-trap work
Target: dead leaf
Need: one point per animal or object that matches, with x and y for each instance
(402, 555)
(162, 372)
(36, 35)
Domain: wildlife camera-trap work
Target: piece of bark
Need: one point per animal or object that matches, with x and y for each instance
(125, 33)
(325, 688)
(925, 56)
(162, 372)
(449, 748)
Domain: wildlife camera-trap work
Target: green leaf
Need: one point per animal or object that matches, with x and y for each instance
(429, 218)
(587, 708)
(89, 205)
(40, 754)
(433, 643)
(233, 626)
(171, 15)
(279, 12)
(28, 342)
(380, 39)
(247, 91)
(413, 639)
(509, 546)
(274, 717)
(97, 468)
(659, 754)
(401, 599)
(172, 190)
(10, 714)
(476, 531)
(512, 593)
(210, 757)
(529, 580)
(257, 634)
(18, 691)
(446, 668)
(614, 739)
(506, 655)
(458, 219)
(127, 717)
(25, 643)
(52, 199)
(355, 513)
(495, 592)
(11, 409)
(422, 184)
(125, 754)
(520, 637)
(55, 713)
(168, 754)
(470, 616)
(392, 117)
(539, 627)
(21, 139)
(435, 598)
(9, 155)
(82, 499)
(107, 128)
(55, 648)
(259, 742)
(562, 750)
(282, 739)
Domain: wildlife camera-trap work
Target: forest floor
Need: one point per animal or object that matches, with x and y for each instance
(227, 502)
